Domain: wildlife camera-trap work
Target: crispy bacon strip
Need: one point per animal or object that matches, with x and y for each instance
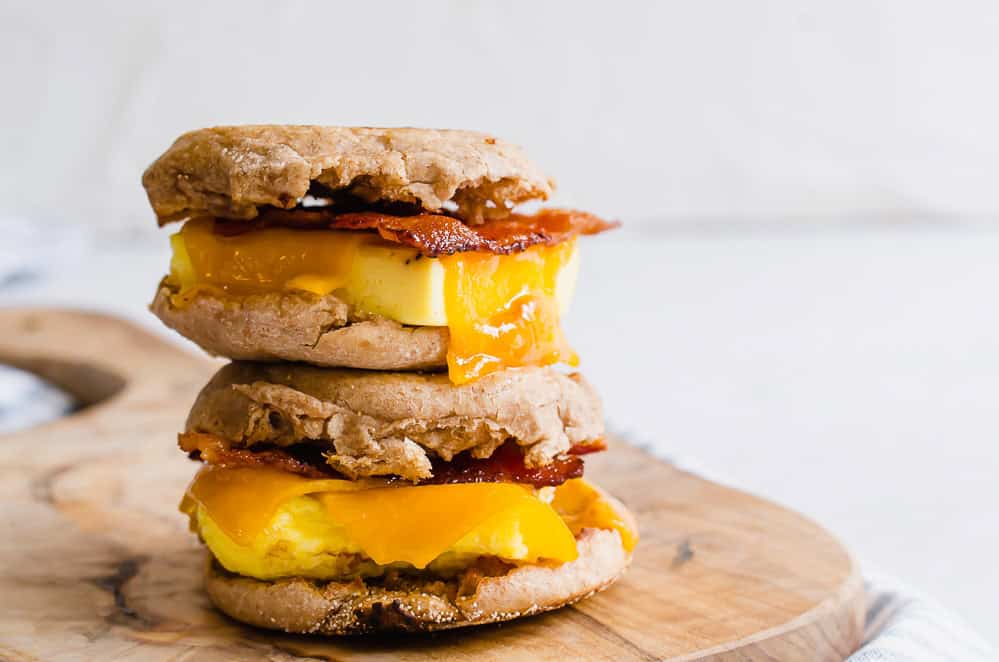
(215, 450)
(505, 465)
(585, 447)
(437, 234)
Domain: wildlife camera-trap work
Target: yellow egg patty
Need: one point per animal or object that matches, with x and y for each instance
(302, 541)
(363, 532)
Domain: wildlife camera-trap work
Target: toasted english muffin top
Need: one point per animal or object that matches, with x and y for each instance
(233, 171)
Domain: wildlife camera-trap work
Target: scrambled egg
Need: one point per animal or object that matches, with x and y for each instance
(302, 541)
(268, 524)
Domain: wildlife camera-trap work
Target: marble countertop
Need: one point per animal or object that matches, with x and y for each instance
(849, 372)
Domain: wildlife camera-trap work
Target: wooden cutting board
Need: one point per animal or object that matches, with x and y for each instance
(97, 564)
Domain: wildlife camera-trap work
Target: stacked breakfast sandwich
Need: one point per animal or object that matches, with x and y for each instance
(393, 446)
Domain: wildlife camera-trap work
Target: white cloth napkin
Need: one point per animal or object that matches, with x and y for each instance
(903, 626)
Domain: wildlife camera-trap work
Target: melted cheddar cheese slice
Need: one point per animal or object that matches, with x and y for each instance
(501, 310)
(266, 523)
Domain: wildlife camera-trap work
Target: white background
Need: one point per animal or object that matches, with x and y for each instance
(643, 110)
(803, 299)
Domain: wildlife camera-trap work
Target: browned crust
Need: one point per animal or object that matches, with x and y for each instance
(298, 326)
(342, 608)
(232, 171)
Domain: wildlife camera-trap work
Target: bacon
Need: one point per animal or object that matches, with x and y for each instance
(505, 465)
(305, 461)
(435, 235)
(585, 447)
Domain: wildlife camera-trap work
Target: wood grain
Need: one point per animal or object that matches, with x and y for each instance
(97, 564)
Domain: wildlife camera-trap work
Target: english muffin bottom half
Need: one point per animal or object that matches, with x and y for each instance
(349, 501)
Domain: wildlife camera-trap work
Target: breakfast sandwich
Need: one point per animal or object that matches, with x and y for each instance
(394, 445)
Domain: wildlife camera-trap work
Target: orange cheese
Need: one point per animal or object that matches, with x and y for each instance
(581, 505)
(260, 261)
(502, 310)
(243, 499)
(417, 524)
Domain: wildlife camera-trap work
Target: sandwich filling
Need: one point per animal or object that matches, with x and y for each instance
(499, 290)
(266, 523)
